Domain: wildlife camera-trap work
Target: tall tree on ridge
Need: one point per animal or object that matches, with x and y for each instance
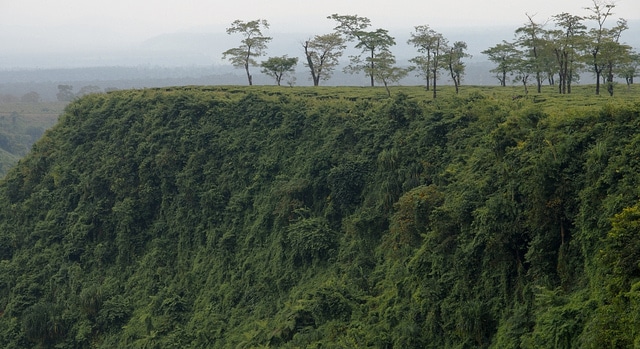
(456, 66)
(615, 54)
(630, 68)
(599, 13)
(350, 25)
(278, 67)
(253, 45)
(568, 41)
(386, 70)
(506, 56)
(322, 53)
(372, 43)
(529, 37)
(433, 46)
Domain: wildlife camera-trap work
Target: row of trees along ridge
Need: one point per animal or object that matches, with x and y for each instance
(566, 49)
(556, 55)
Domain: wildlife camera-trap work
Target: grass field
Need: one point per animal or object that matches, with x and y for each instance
(551, 102)
(581, 93)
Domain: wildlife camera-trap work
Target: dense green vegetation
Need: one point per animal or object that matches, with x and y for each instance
(225, 217)
(21, 124)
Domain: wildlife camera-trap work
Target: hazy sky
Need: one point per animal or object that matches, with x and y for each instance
(41, 25)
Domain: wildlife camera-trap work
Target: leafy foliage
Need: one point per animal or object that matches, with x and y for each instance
(253, 45)
(262, 217)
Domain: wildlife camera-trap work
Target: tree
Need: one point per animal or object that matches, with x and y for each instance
(454, 61)
(523, 68)
(529, 37)
(432, 45)
(548, 61)
(597, 36)
(506, 56)
(277, 67)
(253, 45)
(322, 53)
(372, 44)
(629, 69)
(386, 72)
(350, 26)
(614, 53)
(423, 69)
(568, 41)
(65, 93)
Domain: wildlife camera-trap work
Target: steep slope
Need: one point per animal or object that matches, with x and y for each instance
(223, 217)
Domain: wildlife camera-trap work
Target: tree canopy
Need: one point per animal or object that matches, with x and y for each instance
(559, 54)
(253, 45)
(278, 67)
(322, 55)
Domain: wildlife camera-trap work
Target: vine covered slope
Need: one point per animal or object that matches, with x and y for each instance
(269, 217)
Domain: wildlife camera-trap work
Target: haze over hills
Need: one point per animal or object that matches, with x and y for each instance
(201, 46)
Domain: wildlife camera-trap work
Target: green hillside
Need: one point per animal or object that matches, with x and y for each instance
(228, 217)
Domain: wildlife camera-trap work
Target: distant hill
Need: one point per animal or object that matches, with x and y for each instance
(246, 217)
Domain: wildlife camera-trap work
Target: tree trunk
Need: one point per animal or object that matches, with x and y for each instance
(569, 80)
(537, 65)
(246, 68)
(597, 69)
(315, 77)
(372, 68)
(453, 75)
(428, 81)
(434, 83)
(610, 79)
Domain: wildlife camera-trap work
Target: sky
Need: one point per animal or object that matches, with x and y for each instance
(40, 27)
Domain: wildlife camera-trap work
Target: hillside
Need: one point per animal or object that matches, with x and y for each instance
(218, 217)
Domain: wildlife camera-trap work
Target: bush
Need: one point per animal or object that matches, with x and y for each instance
(311, 239)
